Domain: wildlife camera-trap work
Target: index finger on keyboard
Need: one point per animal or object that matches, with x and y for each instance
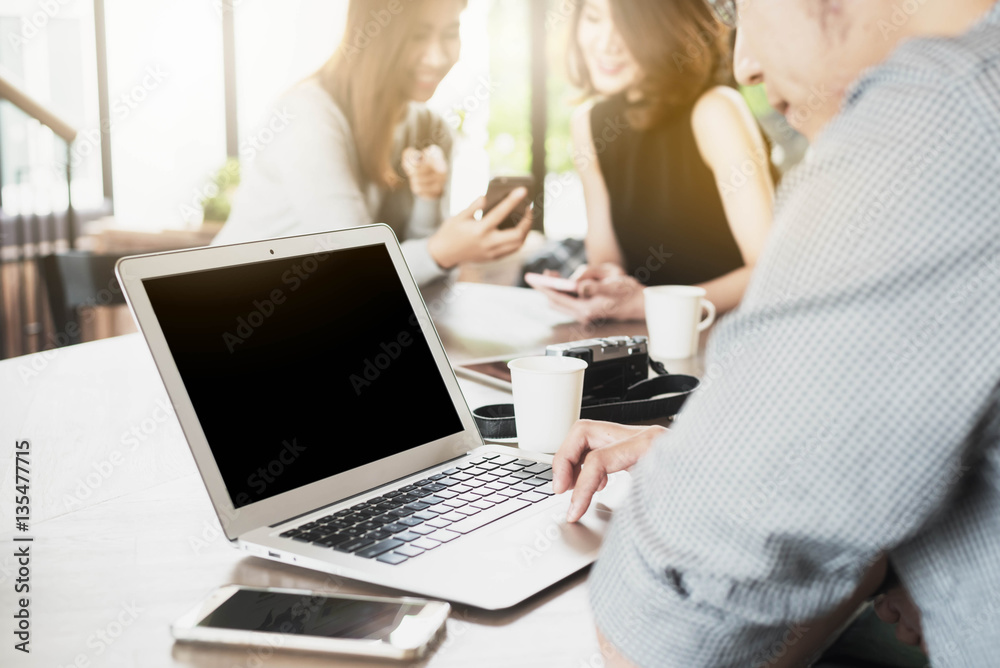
(592, 477)
(566, 463)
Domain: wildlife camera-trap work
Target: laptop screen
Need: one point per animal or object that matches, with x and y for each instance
(302, 368)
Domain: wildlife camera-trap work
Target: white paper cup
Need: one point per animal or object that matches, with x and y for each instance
(675, 318)
(548, 392)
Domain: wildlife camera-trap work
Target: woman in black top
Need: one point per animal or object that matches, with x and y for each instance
(675, 171)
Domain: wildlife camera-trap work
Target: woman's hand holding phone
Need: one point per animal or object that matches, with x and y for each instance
(590, 276)
(603, 292)
(464, 238)
(551, 280)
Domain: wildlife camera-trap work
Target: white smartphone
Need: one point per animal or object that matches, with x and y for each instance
(307, 621)
(557, 283)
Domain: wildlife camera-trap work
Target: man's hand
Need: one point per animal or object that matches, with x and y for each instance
(612, 657)
(604, 294)
(591, 452)
(427, 171)
(896, 607)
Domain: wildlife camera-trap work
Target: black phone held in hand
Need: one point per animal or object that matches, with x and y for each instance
(502, 186)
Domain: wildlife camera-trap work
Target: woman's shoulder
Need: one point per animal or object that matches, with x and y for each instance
(722, 122)
(721, 101)
(308, 100)
(309, 91)
(722, 105)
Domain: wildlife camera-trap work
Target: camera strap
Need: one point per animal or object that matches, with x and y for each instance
(658, 397)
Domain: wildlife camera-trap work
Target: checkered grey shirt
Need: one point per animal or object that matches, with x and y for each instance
(851, 404)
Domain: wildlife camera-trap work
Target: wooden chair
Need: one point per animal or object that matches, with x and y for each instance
(75, 279)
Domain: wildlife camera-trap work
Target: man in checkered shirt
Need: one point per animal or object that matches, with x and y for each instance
(850, 412)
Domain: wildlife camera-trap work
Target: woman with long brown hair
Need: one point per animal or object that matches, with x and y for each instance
(674, 168)
(359, 146)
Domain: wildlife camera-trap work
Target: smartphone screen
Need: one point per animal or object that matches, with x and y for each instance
(309, 615)
(500, 188)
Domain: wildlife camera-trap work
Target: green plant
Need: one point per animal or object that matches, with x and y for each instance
(217, 206)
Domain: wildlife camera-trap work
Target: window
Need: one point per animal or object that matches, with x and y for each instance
(47, 51)
(165, 80)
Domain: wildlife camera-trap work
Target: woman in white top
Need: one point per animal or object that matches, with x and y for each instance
(360, 147)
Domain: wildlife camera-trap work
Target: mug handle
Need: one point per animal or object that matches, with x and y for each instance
(709, 308)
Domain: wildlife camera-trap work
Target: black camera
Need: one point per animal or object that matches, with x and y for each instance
(614, 364)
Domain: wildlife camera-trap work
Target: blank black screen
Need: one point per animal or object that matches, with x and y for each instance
(309, 614)
(302, 368)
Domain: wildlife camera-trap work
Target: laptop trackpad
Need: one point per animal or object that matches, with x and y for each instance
(544, 536)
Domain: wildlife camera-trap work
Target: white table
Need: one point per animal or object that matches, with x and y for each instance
(125, 538)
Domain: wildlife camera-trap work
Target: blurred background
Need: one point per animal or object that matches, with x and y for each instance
(123, 125)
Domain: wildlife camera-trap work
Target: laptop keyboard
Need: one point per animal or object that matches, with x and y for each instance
(416, 518)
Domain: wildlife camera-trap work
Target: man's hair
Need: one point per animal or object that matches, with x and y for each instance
(682, 48)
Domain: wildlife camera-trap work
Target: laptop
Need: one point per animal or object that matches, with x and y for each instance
(329, 428)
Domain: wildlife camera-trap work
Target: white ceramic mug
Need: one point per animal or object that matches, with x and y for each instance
(675, 316)
(548, 393)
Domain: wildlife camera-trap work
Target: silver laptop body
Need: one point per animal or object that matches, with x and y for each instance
(308, 380)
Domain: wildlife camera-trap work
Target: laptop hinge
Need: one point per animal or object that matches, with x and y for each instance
(354, 496)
